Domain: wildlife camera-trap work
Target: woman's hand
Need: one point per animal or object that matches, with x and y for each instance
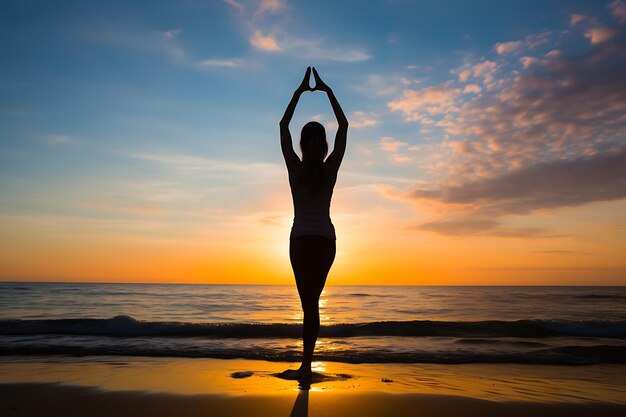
(304, 85)
(319, 84)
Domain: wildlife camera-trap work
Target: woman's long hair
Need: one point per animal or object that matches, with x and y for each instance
(314, 149)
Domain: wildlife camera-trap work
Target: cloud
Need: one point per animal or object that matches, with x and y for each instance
(393, 146)
(618, 10)
(527, 61)
(212, 167)
(481, 205)
(401, 158)
(600, 34)
(377, 84)
(530, 42)
(57, 139)
(389, 144)
(145, 209)
(164, 42)
(236, 5)
(317, 49)
(229, 63)
(271, 6)
(562, 107)
(361, 119)
(268, 33)
(559, 252)
(264, 43)
(555, 53)
(170, 34)
(477, 226)
(420, 105)
(260, 7)
(311, 49)
(576, 19)
(547, 135)
(503, 48)
(472, 88)
(273, 220)
(483, 70)
(546, 185)
(134, 36)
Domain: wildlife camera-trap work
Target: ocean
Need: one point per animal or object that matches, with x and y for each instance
(360, 324)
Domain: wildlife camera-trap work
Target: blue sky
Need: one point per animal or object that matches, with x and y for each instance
(154, 120)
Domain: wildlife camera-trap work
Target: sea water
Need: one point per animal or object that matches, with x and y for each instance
(375, 324)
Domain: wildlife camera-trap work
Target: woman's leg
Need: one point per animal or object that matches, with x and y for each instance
(311, 259)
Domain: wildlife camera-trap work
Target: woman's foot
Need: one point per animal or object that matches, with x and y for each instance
(296, 374)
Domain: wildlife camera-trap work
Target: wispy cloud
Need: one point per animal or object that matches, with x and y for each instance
(503, 48)
(229, 63)
(395, 148)
(191, 164)
(307, 48)
(146, 210)
(271, 6)
(57, 139)
(267, 33)
(235, 4)
(257, 8)
(136, 36)
(473, 226)
(576, 19)
(318, 49)
(618, 9)
(378, 85)
(361, 119)
(164, 42)
(389, 144)
(420, 105)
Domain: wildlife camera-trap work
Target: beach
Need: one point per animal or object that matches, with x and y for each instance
(73, 349)
(105, 386)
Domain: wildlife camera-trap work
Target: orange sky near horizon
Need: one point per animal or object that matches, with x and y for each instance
(373, 248)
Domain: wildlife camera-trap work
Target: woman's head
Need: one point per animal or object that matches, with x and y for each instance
(314, 149)
(313, 142)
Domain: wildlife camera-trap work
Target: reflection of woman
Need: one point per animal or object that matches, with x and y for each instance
(312, 240)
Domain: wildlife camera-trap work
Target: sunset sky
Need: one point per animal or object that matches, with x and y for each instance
(487, 141)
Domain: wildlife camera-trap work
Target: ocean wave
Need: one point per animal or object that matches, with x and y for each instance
(602, 296)
(565, 355)
(128, 326)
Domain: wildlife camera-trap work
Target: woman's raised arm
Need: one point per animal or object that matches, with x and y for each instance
(286, 143)
(336, 156)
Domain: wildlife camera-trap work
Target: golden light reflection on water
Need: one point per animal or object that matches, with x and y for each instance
(324, 318)
(318, 366)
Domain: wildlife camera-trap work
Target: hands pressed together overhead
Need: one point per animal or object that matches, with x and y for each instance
(319, 84)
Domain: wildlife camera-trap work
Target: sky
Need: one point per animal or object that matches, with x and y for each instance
(487, 140)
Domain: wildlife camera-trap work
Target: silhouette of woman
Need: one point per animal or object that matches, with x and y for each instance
(312, 240)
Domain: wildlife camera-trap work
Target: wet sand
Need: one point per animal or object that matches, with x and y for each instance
(106, 386)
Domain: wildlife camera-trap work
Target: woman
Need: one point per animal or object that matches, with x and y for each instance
(312, 239)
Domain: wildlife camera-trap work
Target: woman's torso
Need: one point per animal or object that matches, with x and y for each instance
(312, 210)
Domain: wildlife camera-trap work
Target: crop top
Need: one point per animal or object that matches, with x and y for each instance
(312, 212)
